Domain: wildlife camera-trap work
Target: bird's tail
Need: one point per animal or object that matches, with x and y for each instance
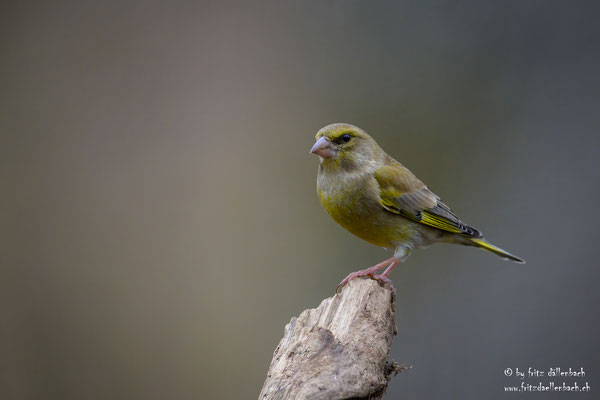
(482, 244)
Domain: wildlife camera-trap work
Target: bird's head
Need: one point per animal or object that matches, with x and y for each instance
(345, 146)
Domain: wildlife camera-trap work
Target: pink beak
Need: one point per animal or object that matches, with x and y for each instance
(323, 148)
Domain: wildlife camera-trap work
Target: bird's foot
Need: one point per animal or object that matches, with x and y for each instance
(387, 282)
(384, 280)
(370, 272)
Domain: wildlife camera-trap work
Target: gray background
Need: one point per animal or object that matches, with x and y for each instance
(160, 222)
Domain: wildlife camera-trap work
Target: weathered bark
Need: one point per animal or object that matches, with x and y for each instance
(338, 350)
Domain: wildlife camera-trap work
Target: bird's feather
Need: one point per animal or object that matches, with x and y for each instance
(402, 193)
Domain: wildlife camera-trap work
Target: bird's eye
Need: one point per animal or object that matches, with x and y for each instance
(345, 138)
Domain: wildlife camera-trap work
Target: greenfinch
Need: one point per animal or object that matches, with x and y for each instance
(379, 200)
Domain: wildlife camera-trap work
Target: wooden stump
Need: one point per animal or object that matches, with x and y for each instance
(338, 350)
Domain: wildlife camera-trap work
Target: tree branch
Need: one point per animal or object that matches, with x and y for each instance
(338, 350)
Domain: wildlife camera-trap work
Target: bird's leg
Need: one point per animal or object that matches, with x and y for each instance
(400, 255)
(383, 278)
(389, 269)
(369, 272)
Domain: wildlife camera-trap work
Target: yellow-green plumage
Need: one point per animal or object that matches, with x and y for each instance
(362, 216)
(379, 200)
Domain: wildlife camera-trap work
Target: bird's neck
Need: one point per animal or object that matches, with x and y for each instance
(333, 176)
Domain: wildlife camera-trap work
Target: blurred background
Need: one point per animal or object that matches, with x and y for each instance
(161, 224)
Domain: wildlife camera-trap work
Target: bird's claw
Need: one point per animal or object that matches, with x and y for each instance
(382, 279)
(386, 282)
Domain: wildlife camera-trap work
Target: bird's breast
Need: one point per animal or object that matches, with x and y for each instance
(353, 202)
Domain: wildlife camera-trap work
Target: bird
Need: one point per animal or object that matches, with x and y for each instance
(381, 201)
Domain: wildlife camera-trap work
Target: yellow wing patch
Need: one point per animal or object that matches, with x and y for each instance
(426, 218)
(402, 193)
(438, 222)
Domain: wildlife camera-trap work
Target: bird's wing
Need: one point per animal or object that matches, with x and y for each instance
(401, 192)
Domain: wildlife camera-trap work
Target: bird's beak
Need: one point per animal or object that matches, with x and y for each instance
(323, 148)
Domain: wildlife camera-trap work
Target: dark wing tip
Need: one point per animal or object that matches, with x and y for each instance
(469, 231)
